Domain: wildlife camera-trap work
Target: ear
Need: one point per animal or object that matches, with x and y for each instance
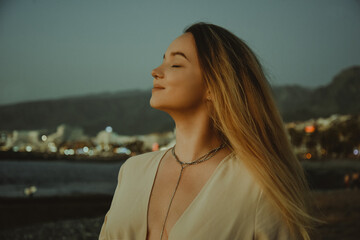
(208, 95)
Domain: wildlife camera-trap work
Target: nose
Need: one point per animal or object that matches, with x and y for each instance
(156, 73)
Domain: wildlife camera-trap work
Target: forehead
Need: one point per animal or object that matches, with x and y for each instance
(184, 43)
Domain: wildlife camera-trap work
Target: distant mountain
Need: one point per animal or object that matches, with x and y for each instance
(291, 98)
(341, 96)
(129, 113)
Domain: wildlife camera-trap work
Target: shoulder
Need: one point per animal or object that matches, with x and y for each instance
(144, 158)
(140, 166)
(142, 162)
(238, 172)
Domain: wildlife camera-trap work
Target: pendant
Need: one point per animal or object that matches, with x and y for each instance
(177, 185)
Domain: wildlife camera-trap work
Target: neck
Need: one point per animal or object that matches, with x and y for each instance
(195, 136)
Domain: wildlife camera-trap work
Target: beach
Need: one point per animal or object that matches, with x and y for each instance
(340, 208)
(72, 199)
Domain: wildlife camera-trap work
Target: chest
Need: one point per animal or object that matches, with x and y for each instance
(174, 191)
(218, 203)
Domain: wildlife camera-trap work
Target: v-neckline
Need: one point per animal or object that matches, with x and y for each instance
(192, 202)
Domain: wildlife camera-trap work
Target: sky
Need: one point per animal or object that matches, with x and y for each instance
(53, 49)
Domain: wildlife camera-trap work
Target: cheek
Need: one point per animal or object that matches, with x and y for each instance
(183, 91)
(188, 86)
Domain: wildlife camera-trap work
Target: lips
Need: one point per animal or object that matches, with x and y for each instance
(157, 86)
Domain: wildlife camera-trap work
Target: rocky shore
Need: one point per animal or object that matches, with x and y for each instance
(339, 208)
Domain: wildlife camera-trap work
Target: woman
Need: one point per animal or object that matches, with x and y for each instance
(232, 173)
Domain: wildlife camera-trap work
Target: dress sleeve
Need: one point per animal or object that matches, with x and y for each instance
(102, 235)
(269, 224)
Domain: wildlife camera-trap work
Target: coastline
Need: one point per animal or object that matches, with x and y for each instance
(72, 198)
(20, 212)
(339, 208)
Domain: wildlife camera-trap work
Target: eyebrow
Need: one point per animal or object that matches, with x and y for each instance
(178, 53)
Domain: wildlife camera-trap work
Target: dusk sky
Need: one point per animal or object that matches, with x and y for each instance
(52, 49)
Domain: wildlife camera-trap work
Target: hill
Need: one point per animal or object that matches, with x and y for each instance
(340, 96)
(129, 113)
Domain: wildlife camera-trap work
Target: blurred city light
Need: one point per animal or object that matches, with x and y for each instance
(356, 151)
(29, 192)
(85, 149)
(52, 147)
(79, 151)
(123, 150)
(155, 146)
(43, 138)
(69, 152)
(108, 129)
(309, 129)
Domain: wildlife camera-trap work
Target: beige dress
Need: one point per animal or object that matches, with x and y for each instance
(230, 206)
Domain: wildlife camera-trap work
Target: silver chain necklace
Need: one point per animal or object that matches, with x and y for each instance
(183, 165)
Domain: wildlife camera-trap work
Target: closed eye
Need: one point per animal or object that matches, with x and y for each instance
(175, 66)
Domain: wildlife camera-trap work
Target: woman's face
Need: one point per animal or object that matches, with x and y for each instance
(178, 83)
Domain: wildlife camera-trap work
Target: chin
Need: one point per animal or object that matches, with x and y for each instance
(154, 103)
(159, 105)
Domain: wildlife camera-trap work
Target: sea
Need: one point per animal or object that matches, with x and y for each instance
(57, 178)
(67, 178)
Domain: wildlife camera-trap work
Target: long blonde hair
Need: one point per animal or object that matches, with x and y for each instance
(245, 114)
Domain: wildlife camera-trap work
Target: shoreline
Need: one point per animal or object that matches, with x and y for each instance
(339, 208)
(21, 212)
(111, 157)
(55, 157)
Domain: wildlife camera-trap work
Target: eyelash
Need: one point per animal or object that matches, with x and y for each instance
(176, 66)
